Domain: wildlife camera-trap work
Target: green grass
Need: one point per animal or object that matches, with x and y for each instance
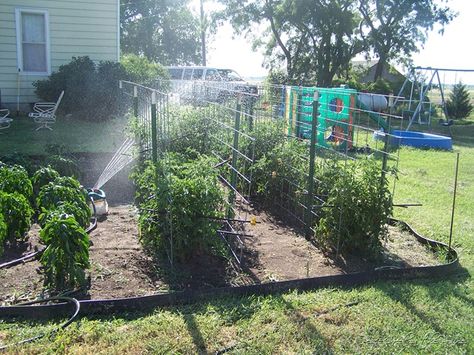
(420, 316)
(78, 135)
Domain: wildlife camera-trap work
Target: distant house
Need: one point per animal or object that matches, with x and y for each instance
(367, 70)
(37, 36)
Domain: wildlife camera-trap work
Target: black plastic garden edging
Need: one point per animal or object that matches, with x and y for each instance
(143, 303)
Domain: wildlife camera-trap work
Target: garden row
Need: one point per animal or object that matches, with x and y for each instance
(181, 197)
(59, 205)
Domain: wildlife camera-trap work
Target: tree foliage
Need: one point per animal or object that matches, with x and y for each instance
(161, 30)
(316, 39)
(459, 103)
(398, 28)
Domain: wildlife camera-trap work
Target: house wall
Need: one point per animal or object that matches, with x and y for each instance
(76, 28)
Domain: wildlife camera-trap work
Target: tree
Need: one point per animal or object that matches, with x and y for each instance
(163, 31)
(459, 103)
(313, 39)
(395, 29)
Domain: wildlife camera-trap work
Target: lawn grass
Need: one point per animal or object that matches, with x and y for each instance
(420, 316)
(79, 136)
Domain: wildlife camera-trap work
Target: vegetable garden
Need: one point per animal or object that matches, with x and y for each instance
(231, 189)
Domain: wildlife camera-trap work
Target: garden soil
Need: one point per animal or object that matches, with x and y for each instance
(120, 268)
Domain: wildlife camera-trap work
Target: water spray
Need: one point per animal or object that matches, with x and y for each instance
(122, 157)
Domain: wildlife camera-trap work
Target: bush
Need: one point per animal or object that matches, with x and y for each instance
(17, 213)
(3, 233)
(358, 207)
(141, 70)
(67, 254)
(15, 179)
(42, 177)
(459, 103)
(91, 91)
(176, 197)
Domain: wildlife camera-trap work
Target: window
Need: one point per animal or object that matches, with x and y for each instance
(212, 74)
(32, 36)
(188, 73)
(197, 74)
(176, 73)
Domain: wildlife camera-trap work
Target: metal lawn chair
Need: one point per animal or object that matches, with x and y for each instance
(5, 121)
(45, 113)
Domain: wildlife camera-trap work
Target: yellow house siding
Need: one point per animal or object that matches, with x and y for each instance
(76, 28)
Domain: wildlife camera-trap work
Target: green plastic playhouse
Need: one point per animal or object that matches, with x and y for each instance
(336, 106)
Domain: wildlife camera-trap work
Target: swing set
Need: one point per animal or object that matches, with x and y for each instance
(420, 109)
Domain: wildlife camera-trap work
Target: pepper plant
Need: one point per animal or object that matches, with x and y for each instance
(67, 254)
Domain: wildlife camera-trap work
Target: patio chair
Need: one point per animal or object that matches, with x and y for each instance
(45, 113)
(5, 121)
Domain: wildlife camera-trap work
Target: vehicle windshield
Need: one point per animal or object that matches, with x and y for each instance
(229, 75)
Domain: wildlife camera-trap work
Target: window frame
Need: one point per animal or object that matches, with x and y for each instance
(19, 40)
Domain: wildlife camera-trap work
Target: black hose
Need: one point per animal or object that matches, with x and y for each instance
(62, 326)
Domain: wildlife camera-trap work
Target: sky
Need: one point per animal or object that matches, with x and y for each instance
(453, 49)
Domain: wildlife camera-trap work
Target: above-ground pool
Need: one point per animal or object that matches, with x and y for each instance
(417, 139)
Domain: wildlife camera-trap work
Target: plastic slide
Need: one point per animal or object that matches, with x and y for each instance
(373, 115)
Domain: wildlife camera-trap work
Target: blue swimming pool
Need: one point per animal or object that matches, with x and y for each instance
(417, 139)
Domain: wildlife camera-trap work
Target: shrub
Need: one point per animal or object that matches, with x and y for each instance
(67, 254)
(91, 90)
(15, 179)
(358, 207)
(42, 177)
(459, 103)
(141, 70)
(3, 233)
(17, 214)
(176, 197)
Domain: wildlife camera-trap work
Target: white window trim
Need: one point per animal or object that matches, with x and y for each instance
(19, 47)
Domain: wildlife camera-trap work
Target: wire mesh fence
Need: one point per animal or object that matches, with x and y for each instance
(320, 127)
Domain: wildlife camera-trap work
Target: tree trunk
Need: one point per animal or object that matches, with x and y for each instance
(379, 68)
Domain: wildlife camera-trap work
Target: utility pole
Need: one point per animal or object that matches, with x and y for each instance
(203, 35)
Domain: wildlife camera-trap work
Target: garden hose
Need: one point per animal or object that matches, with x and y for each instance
(77, 306)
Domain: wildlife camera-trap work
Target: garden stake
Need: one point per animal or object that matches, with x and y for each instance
(312, 154)
(454, 201)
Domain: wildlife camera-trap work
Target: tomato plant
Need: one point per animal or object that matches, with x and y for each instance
(67, 254)
(176, 195)
(359, 205)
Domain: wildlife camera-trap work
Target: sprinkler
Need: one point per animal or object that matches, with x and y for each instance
(99, 202)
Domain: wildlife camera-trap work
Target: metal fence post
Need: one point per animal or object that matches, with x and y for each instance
(235, 148)
(154, 144)
(135, 101)
(312, 156)
(386, 145)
